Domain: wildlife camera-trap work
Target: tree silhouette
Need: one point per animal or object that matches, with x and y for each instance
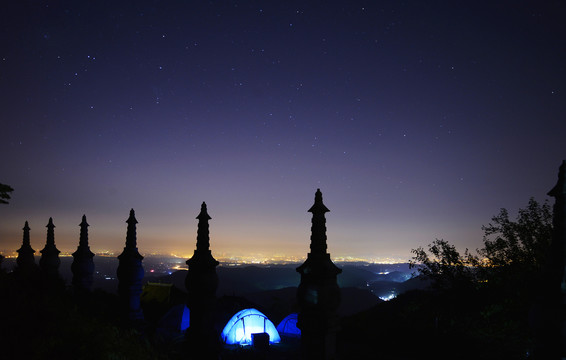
(447, 268)
(512, 250)
(5, 191)
(488, 298)
(522, 243)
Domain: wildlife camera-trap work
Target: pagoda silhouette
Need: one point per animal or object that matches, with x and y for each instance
(548, 315)
(318, 294)
(130, 274)
(25, 262)
(201, 283)
(83, 264)
(49, 262)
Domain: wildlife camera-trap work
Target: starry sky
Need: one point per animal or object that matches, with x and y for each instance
(416, 119)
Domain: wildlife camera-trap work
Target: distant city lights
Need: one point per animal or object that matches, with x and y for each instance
(388, 297)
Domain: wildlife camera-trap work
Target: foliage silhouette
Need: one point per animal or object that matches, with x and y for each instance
(520, 245)
(513, 250)
(487, 297)
(447, 268)
(5, 191)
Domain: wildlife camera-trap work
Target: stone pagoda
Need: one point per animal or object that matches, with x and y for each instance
(318, 294)
(201, 283)
(130, 274)
(49, 262)
(550, 316)
(83, 264)
(26, 261)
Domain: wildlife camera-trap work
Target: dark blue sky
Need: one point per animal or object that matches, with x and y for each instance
(417, 120)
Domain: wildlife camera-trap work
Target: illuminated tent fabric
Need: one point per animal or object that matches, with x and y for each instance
(288, 326)
(176, 319)
(241, 326)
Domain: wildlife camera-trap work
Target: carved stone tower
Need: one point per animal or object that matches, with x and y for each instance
(49, 261)
(556, 292)
(26, 260)
(318, 294)
(130, 273)
(83, 264)
(547, 315)
(201, 283)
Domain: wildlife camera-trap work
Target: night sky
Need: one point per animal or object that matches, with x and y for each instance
(416, 119)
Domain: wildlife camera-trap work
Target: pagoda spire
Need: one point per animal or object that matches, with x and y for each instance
(559, 190)
(130, 273)
(203, 236)
(201, 283)
(318, 294)
(83, 264)
(26, 260)
(49, 261)
(318, 229)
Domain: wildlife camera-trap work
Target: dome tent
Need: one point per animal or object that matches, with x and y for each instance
(176, 319)
(243, 324)
(288, 326)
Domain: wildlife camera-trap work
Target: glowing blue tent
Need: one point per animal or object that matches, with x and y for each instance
(241, 326)
(288, 326)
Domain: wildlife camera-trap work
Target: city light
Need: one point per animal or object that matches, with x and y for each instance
(388, 297)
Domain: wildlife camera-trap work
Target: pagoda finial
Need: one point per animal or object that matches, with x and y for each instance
(318, 206)
(203, 215)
